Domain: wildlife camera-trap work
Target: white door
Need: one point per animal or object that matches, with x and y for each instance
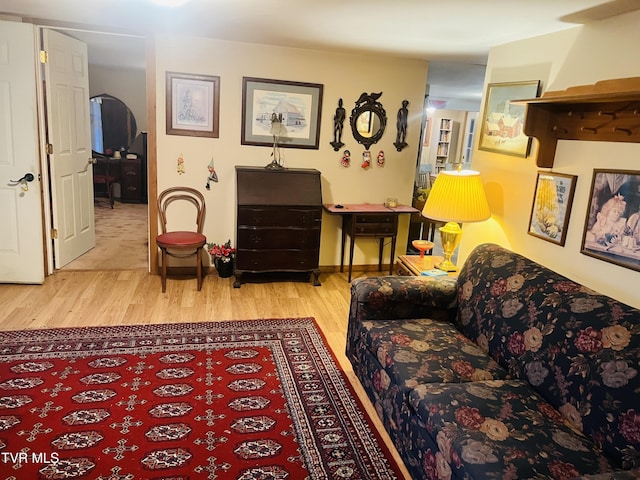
(69, 136)
(21, 231)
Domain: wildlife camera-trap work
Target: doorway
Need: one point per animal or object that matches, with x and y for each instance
(117, 68)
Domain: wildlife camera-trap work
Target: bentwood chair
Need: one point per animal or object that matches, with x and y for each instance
(181, 243)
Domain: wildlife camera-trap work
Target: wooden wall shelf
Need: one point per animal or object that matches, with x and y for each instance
(607, 111)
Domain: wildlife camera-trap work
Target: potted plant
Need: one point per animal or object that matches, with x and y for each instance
(222, 257)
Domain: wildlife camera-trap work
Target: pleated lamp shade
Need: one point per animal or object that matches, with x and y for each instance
(457, 196)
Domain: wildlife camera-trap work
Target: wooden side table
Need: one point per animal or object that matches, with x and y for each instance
(414, 264)
(369, 220)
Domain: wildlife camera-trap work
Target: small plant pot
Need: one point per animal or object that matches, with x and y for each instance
(225, 269)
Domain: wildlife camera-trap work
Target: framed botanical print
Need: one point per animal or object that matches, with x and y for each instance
(193, 105)
(296, 105)
(612, 225)
(502, 125)
(551, 207)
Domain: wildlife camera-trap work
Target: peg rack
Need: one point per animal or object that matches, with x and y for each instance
(607, 111)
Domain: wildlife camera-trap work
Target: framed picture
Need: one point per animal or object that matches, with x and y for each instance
(296, 105)
(502, 122)
(612, 226)
(427, 132)
(193, 105)
(552, 206)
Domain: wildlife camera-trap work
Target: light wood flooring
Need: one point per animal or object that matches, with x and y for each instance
(72, 298)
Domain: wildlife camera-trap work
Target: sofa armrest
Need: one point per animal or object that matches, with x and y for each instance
(388, 298)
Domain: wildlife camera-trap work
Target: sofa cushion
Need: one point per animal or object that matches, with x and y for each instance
(425, 350)
(580, 350)
(500, 429)
(403, 297)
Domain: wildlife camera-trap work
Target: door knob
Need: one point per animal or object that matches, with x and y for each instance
(29, 177)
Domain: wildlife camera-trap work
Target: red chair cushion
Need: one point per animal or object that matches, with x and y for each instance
(180, 239)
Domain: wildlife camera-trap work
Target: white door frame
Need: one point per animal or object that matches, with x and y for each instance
(44, 167)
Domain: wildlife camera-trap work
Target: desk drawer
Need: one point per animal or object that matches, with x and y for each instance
(276, 260)
(267, 238)
(300, 217)
(372, 218)
(373, 225)
(375, 229)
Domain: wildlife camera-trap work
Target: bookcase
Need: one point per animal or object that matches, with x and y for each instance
(446, 143)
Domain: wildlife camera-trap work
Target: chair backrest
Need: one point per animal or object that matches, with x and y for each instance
(104, 166)
(188, 194)
(423, 180)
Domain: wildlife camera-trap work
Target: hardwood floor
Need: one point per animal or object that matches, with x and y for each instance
(110, 297)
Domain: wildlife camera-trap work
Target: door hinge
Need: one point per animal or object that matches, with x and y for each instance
(54, 233)
(49, 149)
(44, 58)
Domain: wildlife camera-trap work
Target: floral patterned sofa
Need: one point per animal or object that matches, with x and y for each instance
(511, 371)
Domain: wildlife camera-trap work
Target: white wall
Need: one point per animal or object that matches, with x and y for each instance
(580, 56)
(343, 76)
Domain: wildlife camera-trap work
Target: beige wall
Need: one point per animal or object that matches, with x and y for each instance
(343, 76)
(584, 55)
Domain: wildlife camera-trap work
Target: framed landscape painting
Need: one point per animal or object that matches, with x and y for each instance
(551, 207)
(501, 130)
(612, 226)
(296, 105)
(193, 105)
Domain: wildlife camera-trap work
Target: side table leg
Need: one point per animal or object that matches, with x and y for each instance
(344, 239)
(393, 252)
(351, 245)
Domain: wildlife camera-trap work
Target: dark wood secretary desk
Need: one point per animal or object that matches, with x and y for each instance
(369, 220)
(279, 218)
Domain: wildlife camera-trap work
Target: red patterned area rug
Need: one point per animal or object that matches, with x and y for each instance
(257, 399)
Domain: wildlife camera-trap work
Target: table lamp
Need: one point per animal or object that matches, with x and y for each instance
(456, 197)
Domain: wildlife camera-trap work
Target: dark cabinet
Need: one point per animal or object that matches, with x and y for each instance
(133, 172)
(132, 181)
(279, 216)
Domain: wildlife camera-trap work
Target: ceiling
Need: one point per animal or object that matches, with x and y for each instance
(454, 36)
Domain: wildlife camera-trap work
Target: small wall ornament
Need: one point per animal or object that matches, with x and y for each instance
(346, 159)
(366, 159)
(401, 124)
(381, 158)
(213, 177)
(338, 124)
(180, 167)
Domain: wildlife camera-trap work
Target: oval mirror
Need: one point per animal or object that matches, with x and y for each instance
(368, 119)
(113, 125)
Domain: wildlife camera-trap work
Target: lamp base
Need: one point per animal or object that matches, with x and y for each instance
(447, 266)
(450, 234)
